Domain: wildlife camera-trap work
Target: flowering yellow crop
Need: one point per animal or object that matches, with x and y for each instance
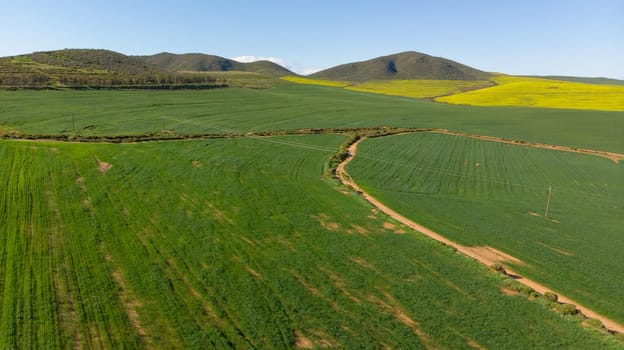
(418, 88)
(309, 81)
(407, 88)
(536, 92)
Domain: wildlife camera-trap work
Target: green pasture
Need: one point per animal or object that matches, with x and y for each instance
(293, 106)
(481, 193)
(243, 243)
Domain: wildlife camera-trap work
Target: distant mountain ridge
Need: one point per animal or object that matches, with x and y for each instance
(207, 63)
(95, 67)
(405, 66)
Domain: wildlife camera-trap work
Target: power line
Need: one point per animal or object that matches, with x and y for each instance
(548, 201)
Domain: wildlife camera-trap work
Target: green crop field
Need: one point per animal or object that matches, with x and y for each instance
(286, 190)
(236, 243)
(293, 106)
(250, 243)
(481, 193)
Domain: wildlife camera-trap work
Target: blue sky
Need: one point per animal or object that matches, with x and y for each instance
(568, 37)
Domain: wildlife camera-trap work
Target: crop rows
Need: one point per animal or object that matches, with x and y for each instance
(232, 243)
(291, 107)
(481, 193)
(55, 285)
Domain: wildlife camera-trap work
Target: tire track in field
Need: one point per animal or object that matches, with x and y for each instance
(485, 255)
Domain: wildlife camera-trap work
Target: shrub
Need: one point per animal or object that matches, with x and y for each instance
(568, 309)
(551, 296)
(499, 268)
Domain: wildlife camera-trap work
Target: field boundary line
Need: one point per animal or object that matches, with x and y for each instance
(472, 252)
(226, 132)
(615, 157)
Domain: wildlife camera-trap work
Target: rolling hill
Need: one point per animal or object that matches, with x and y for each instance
(405, 66)
(206, 63)
(91, 59)
(88, 68)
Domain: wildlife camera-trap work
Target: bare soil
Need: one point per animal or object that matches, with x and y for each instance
(508, 291)
(103, 167)
(302, 342)
(325, 222)
(130, 304)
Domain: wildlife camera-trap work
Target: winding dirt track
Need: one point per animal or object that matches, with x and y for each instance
(484, 255)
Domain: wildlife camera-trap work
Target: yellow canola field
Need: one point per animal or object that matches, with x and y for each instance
(419, 88)
(303, 80)
(407, 88)
(536, 92)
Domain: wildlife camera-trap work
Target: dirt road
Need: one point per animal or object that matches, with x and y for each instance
(485, 255)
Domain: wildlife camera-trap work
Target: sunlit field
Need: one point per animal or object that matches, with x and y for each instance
(419, 88)
(537, 92)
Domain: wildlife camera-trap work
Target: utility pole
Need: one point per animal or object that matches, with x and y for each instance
(548, 201)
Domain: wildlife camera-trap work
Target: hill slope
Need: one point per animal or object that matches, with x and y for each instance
(94, 60)
(405, 65)
(87, 68)
(205, 63)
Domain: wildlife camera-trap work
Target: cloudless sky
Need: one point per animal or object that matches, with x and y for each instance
(566, 37)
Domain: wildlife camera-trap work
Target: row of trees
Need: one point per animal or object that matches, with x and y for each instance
(120, 79)
(24, 79)
(34, 79)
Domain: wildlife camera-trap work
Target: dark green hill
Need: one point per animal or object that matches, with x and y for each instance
(190, 62)
(207, 63)
(405, 65)
(84, 68)
(97, 60)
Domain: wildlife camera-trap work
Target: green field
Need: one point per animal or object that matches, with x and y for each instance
(233, 243)
(481, 193)
(249, 80)
(292, 106)
(250, 243)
